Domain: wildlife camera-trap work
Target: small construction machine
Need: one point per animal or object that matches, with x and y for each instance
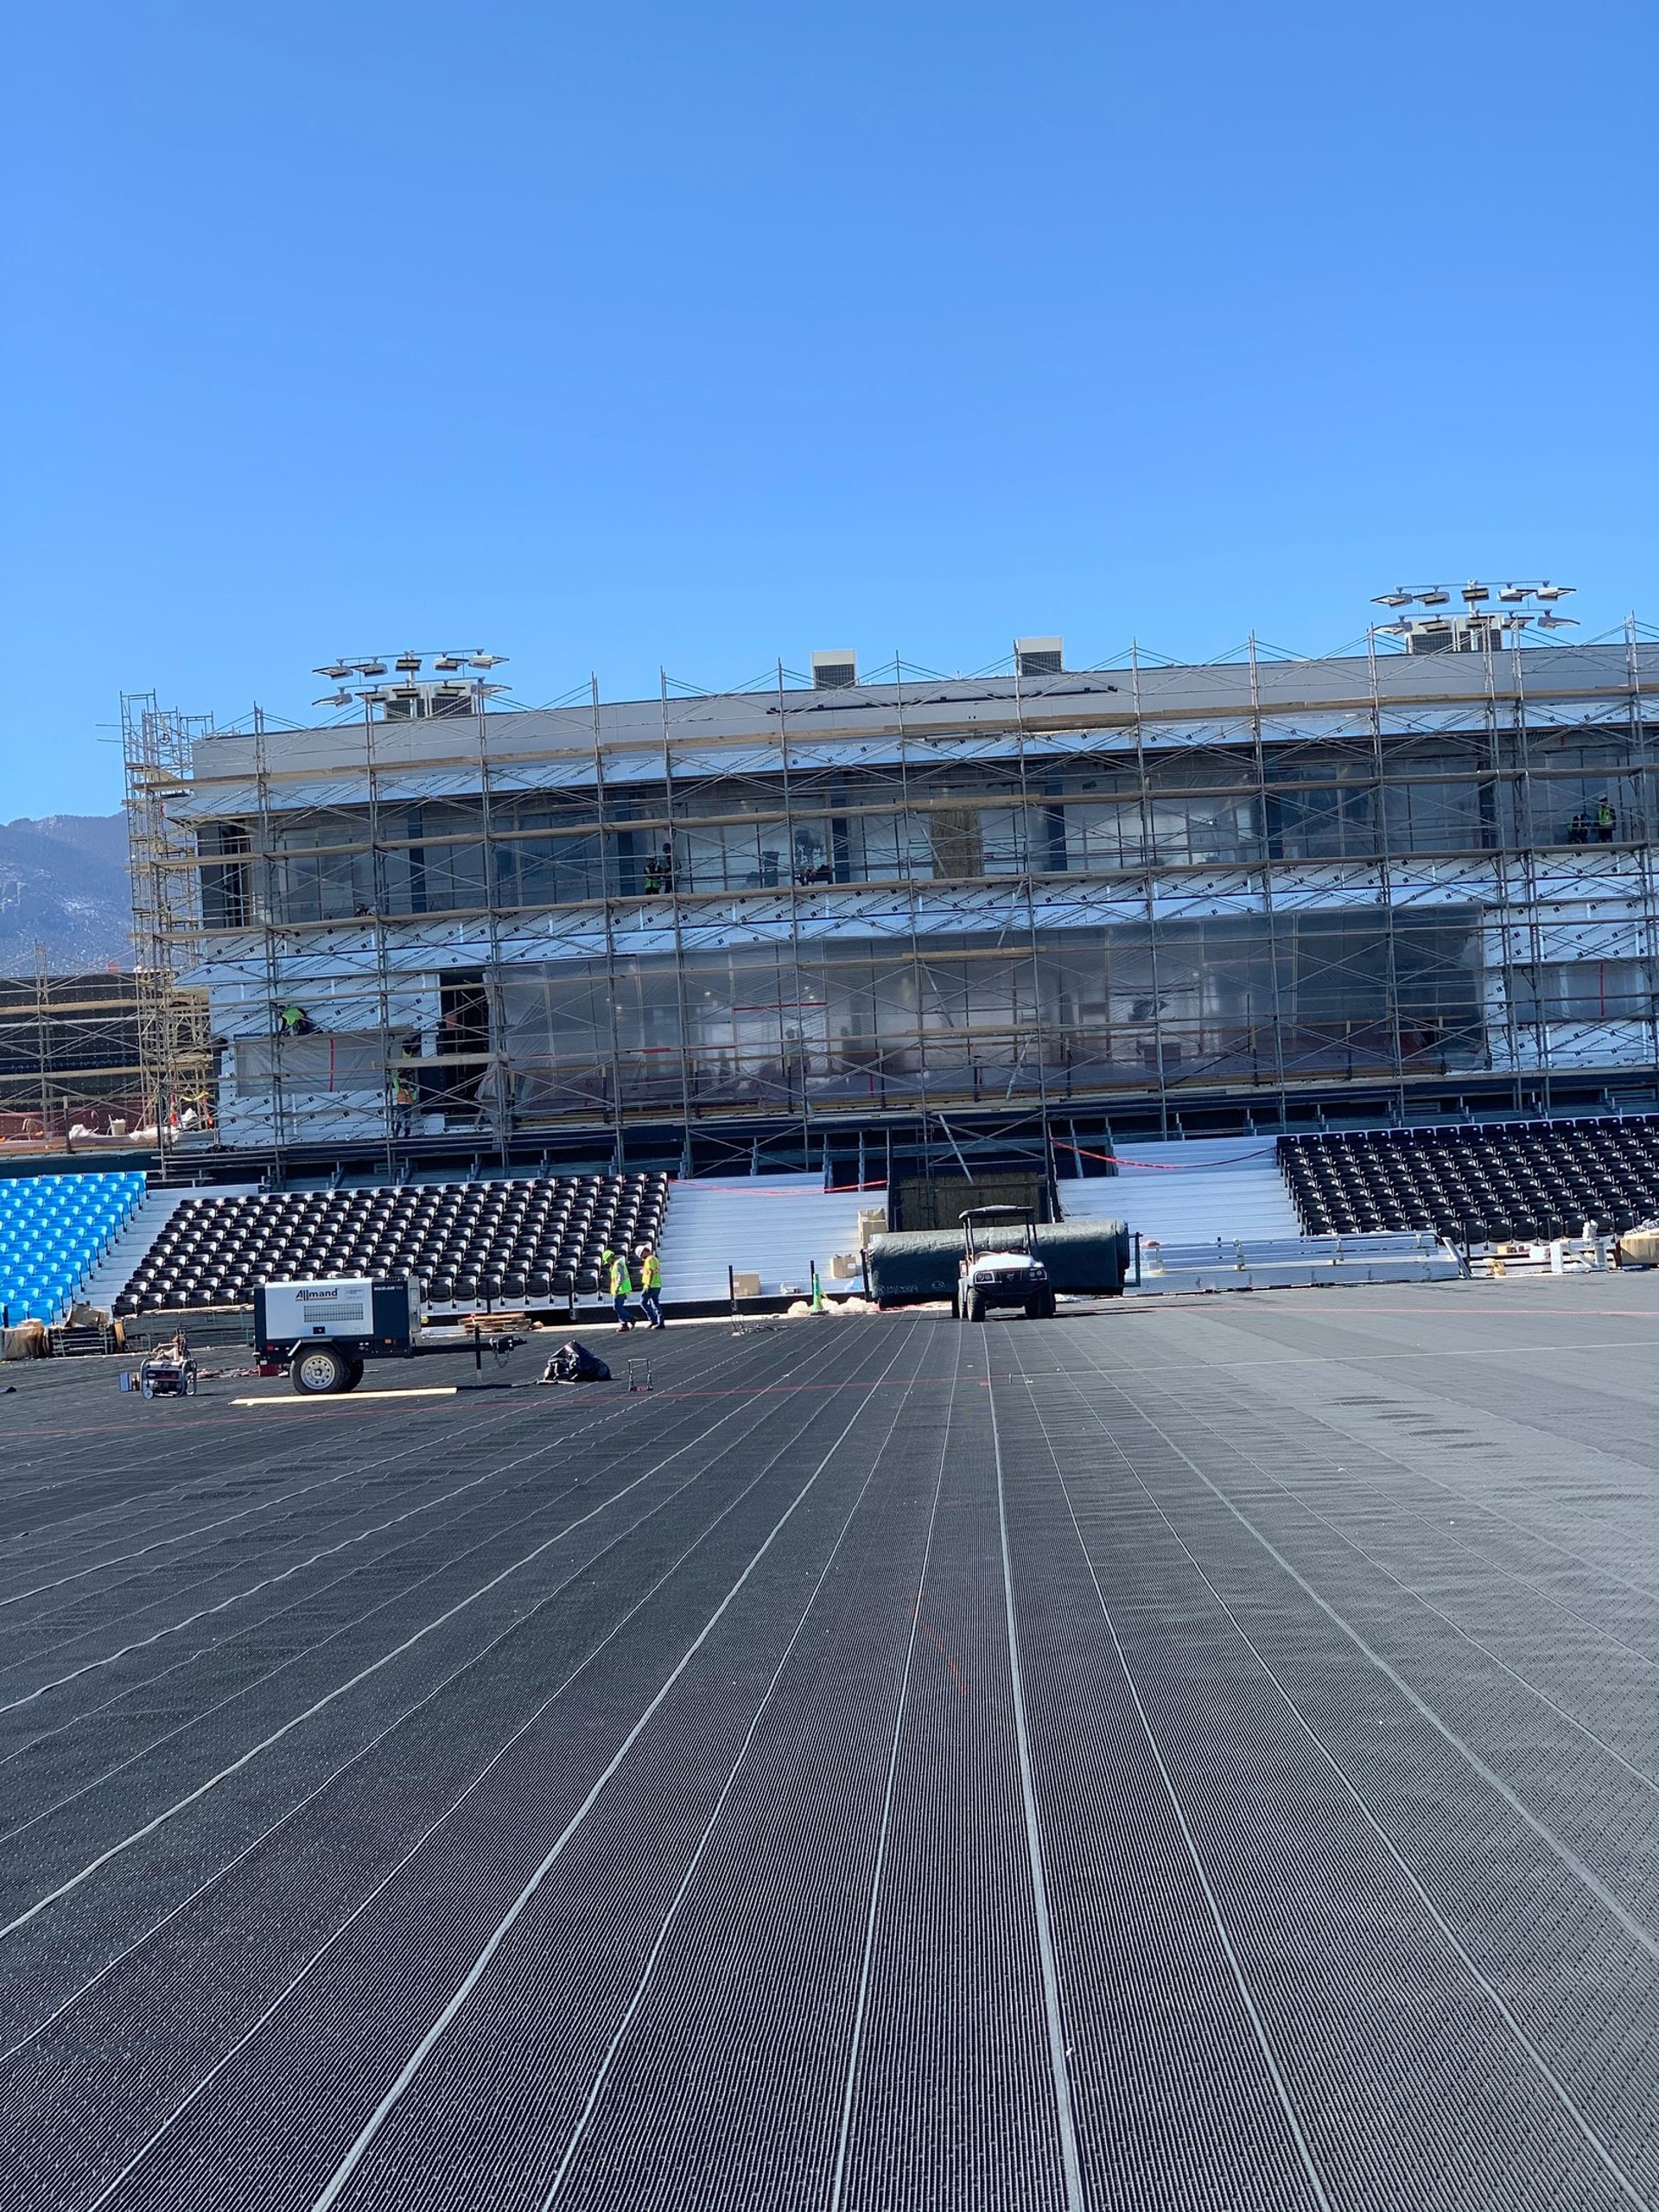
(167, 1375)
(999, 1266)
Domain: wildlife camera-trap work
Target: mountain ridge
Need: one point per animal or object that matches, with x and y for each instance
(64, 886)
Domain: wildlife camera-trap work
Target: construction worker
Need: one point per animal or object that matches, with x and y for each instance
(1606, 820)
(651, 1286)
(621, 1285)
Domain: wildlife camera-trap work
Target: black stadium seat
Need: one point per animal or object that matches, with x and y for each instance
(1485, 1180)
(496, 1240)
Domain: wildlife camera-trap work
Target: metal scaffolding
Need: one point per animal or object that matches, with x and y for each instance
(175, 1063)
(794, 917)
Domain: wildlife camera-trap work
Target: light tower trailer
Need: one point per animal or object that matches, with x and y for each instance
(323, 1332)
(999, 1266)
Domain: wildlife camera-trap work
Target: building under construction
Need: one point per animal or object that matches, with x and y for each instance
(872, 919)
(70, 1058)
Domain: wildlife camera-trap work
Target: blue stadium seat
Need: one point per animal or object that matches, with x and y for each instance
(52, 1230)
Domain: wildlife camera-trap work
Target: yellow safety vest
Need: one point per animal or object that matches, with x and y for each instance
(620, 1285)
(651, 1274)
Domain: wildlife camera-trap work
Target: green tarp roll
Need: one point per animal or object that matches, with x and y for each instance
(907, 1266)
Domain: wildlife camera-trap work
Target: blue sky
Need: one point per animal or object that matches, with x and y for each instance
(618, 337)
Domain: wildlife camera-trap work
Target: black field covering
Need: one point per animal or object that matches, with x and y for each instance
(1203, 1755)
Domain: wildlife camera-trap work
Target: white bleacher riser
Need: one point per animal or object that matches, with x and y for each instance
(771, 1225)
(1192, 1193)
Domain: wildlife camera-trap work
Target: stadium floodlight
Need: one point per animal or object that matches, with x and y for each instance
(1552, 620)
(413, 693)
(1477, 626)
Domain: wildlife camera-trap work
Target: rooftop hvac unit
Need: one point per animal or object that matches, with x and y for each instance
(1456, 635)
(834, 671)
(1039, 656)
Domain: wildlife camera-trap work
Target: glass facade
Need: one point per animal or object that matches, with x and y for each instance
(976, 1020)
(933, 824)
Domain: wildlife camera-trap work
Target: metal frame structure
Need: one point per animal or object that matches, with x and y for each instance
(69, 1057)
(789, 921)
(175, 1063)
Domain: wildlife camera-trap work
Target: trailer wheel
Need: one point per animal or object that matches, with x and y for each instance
(357, 1375)
(320, 1370)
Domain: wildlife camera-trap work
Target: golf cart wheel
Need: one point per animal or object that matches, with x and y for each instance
(319, 1370)
(1040, 1308)
(972, 1307)
(188, 1383)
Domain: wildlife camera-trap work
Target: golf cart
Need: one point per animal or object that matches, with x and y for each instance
(999, 1265)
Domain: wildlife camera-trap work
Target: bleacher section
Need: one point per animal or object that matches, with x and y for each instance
(530, 1240)
(52, 1230)
(774, 1226)
(118, 1262)
(1191, 1192)
(1488, 1181)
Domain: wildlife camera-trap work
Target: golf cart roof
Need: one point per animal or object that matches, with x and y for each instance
(998, 1229)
